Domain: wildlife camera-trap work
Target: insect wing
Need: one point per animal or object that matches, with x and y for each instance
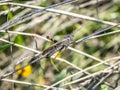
(54, 51)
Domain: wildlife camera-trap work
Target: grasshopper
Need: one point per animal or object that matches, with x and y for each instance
(57, 46)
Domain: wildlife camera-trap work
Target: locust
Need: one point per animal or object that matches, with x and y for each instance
(57, 46)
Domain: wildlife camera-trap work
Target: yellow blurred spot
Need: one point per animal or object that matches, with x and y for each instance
(19, 71)
(25, 72)
(41, 80)
(57, 54)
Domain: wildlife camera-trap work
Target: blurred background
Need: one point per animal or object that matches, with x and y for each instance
(27, 38)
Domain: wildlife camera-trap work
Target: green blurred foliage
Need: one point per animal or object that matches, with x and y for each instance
(3, 47)
(104, 87)
(19, 40)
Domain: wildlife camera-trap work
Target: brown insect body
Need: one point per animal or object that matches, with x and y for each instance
(58, 46)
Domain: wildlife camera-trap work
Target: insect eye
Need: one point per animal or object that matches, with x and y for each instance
(48, 37)
(55, 41)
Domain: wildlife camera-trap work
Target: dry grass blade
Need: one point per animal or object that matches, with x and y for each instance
(89, 76)
(11, 23)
